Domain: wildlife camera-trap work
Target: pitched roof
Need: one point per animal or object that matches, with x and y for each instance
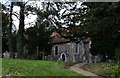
(56, 38)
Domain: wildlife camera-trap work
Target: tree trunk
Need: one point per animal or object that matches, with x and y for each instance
(10, 33)
(20, 39)
(37, 52)
(43, 53)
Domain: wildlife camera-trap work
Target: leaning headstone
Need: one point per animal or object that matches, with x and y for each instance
(6, 55)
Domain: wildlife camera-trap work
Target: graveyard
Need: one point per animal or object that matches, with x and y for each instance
(66, 39)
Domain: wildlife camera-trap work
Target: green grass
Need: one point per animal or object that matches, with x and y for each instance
(17, 67)
(0, 67)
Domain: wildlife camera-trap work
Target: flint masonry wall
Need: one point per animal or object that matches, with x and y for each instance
(73, 52)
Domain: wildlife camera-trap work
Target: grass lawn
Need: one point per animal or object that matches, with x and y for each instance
(17, 67)
(0, 67)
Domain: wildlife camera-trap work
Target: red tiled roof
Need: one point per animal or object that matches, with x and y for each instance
(56, 38)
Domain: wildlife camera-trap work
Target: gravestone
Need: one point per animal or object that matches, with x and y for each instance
(49, 57)
(96, 59)
(6, 55)
(15, 55)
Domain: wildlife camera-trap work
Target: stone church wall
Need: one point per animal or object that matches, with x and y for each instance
(69, 49)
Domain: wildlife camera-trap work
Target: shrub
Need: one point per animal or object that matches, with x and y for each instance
(114, 71)
(68, 64)
(61, 63)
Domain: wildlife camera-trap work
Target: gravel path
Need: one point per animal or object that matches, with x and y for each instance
(76, 68)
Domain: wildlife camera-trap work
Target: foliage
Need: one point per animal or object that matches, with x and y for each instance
(104, 69)
(67, 64)
(99, 21)
(103, 27)
(114, 71)
(37, 37)
(32, 40)
(20, 36)
(5, 23)
(97, 68)
(10, 41)
(7, 35)
(61, 63)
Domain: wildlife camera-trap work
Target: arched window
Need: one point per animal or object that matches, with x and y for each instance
(56, 50)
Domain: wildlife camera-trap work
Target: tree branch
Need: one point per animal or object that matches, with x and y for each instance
(16, 14)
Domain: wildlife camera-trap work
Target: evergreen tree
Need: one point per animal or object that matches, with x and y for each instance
(20, 35)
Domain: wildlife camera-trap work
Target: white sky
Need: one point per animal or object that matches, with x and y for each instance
(31, 18)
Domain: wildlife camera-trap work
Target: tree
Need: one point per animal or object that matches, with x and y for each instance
(37, 40)
(5, 23)
(20, 35)
(31, 42)
(10, 32)
(103, 27)
(49, 17)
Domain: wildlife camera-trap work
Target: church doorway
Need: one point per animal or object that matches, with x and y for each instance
(63, 57)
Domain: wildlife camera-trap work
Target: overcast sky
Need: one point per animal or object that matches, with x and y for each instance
(30, 19)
